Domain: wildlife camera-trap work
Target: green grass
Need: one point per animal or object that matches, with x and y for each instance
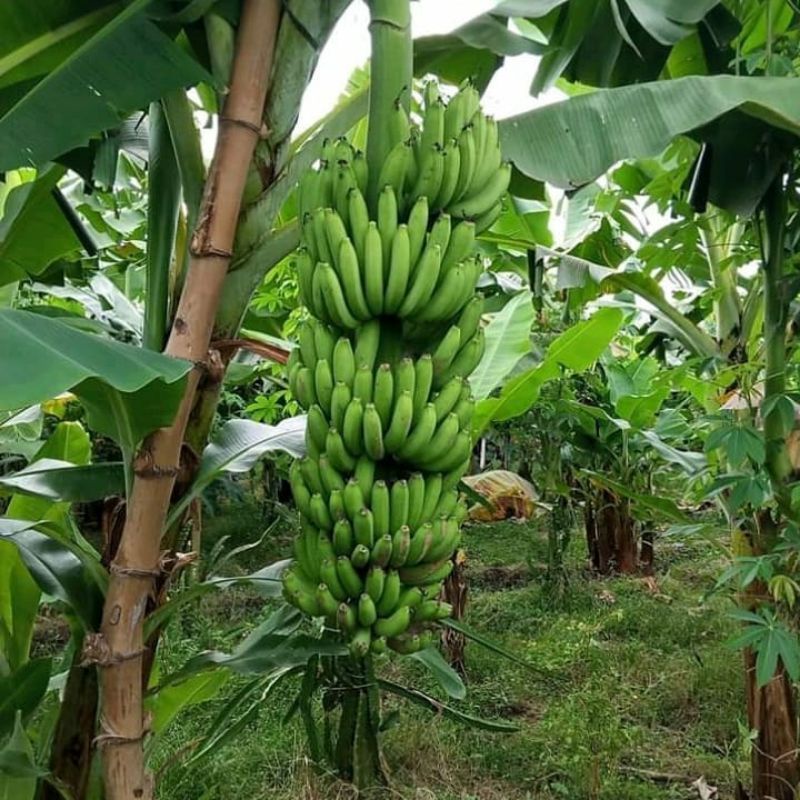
(631, 682)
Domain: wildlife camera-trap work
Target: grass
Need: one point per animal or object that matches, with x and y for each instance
(633, 693)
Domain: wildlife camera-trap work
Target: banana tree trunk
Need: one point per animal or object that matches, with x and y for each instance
(119, 648)
(610, 533)
(771, 709)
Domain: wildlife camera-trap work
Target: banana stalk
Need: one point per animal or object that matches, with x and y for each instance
(136, 562)
(390, 82)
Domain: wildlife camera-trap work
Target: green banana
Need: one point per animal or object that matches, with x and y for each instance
(452, 171)
(337, 452)
(340, 399)
(351, 427)
(426, 573)
(335, 234)
(329, 576)
(373, 432)
(444, 401)
(398, 505)
(401, 542)
(383, 394)
(304, 386)
(300, 493)
(461, 245)
(458, 454)
(378, 645)
(464, 410)
(431, 173)
(365, 475)
(400, 424)
(317, 426)
(372, 268)
(432, 610)
(416, 497)
(342, 537)
(368, 339)
(382, 551)
(381, 503)
(343, 361)
(309, 469)
(351, 281)
(323, 385)
(486, 195)
(424, 282)
(374, 583)
(362, 384)
(394, 168)
(450, 479)
(360, 643)
(390, 594)
(353, 499)
(417, 229)
(348, 576)
(423, 381)
(360, 556)
(404, 377)
(405, 645)
(359, 220)
(395, 624)
(442, 440)
(387, 224)
(468, 162)
(420, 544)
(399, 271)
(469, 356)
(346, 618)
(326, 601)
(420, 435)
(410, 596)
(446, 350)
(333, 297)
(367, 613)
(331, 479)
(320, 515)
(364, 528)
(305, 339)
(470, 317)
(324, 341)
(433, 491)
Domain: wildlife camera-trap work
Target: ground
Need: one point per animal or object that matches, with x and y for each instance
(632, 692)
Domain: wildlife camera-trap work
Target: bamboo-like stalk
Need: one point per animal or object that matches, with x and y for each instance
(136, 563)
(163, 204)
(778, 463)
(391, 71)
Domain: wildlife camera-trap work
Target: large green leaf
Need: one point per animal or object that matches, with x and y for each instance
(56, 569)
(576, 349)
(573, 142)
(170, 700)
(69, 442)
(444, 674)
(127, 392)
(18, 769)
(575, 272)
(121, 67)
(19, 602)
(33, 231)
(508, 338)
(63, 481)
(22, 690)
(238, 446)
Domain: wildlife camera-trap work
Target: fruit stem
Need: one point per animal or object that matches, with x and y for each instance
(391, 71)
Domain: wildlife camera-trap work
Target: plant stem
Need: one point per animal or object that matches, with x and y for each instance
(163, 204)
(137, 560)
(391, 71)
(778, 463)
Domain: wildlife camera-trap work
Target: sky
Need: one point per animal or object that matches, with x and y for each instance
(348, 48)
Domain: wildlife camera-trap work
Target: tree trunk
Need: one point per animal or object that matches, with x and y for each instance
(454, 592)
(119, 648)
(71, 752)
(610, 534)
(771, 711)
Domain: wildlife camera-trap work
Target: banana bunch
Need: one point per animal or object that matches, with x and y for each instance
(382, 369)
(353, 269)
(416, 412)
(373, 554)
